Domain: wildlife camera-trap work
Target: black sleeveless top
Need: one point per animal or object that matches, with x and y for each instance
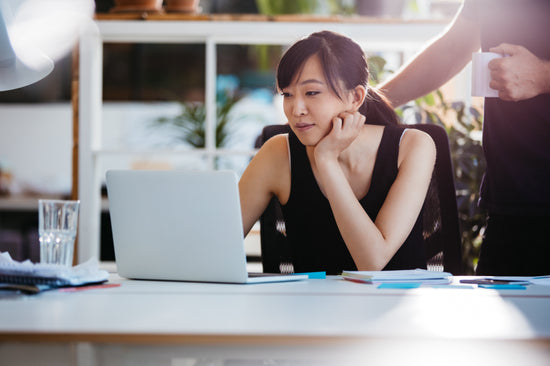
(315, 241)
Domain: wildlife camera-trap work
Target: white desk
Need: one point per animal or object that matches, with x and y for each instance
(330, 321)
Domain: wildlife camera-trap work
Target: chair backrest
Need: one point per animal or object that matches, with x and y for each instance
(440, 213)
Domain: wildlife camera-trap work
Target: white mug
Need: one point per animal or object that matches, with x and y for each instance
(481, 75)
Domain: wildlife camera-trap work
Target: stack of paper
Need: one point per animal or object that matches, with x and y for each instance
(34, 277)
(541, 280)
(399, 276)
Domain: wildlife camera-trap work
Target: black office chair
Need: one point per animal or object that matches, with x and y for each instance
(440, 213)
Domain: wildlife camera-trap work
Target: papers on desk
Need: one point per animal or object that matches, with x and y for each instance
(541, 280)
(509, 280)
(406, 279)
(416, 276)
(34, 277)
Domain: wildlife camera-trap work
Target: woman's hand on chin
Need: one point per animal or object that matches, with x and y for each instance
(345, 128)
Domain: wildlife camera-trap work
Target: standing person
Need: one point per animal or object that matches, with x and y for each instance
(516, 130)
(351, 182)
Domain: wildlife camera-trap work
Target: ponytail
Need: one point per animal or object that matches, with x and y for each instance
(377, 109)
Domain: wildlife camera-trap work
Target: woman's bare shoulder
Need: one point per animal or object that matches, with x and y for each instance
(272, 166)
(415, 137)
(276, 148)
(417, 144)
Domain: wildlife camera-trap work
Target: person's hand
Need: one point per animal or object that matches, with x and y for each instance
(520, 75)
(345, 129)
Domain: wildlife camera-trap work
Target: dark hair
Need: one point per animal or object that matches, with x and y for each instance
(342, 60)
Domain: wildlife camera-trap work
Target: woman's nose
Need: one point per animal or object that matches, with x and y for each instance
(299, 107)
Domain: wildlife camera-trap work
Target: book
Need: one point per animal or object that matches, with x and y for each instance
(35, 277)
(399, 276)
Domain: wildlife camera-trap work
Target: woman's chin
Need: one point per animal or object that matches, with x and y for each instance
(307, 139)
(308, 136)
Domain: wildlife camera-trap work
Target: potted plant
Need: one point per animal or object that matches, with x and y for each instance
(318, 7)
(191, 122)
(137, 5)
(182, 6)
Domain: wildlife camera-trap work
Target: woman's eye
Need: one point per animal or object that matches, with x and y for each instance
(285, 95)
(312, 93)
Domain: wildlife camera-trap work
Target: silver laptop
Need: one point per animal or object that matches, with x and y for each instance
(181, 226)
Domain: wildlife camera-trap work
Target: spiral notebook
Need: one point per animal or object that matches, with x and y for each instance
(180, 226)
(35, 277)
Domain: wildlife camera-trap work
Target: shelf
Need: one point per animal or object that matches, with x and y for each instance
(25, 203)
(175, 152)
(19, 203)
(373, 33)
(293, 18)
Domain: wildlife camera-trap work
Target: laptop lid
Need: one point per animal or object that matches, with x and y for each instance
(178, 225)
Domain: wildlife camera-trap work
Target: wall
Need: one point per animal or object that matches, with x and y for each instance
(36, 146)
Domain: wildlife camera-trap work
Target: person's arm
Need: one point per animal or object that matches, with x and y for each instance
(434, 65)
(373, 244)
(521, 75)
(267, 174)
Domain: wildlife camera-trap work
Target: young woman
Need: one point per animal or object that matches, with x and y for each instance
(351, 182)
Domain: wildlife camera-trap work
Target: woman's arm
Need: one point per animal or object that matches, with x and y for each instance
(373, 244)
(267, 174)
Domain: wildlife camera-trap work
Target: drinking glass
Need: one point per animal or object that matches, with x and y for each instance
(57, 226)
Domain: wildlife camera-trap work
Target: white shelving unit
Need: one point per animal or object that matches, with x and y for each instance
(374, 35)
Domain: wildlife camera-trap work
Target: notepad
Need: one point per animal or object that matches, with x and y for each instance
(399, 276)
(29, 276)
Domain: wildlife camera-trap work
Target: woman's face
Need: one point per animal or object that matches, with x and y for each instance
(310, 104)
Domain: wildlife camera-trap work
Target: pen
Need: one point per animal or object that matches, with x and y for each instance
(501, 286)
(492, 281)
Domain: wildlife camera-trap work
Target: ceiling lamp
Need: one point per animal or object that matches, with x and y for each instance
(35, 34)
(19, 68)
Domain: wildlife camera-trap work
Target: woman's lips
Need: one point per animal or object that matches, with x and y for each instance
(303, 126)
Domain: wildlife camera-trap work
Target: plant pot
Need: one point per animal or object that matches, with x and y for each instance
(137, 5)
(182, 6)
